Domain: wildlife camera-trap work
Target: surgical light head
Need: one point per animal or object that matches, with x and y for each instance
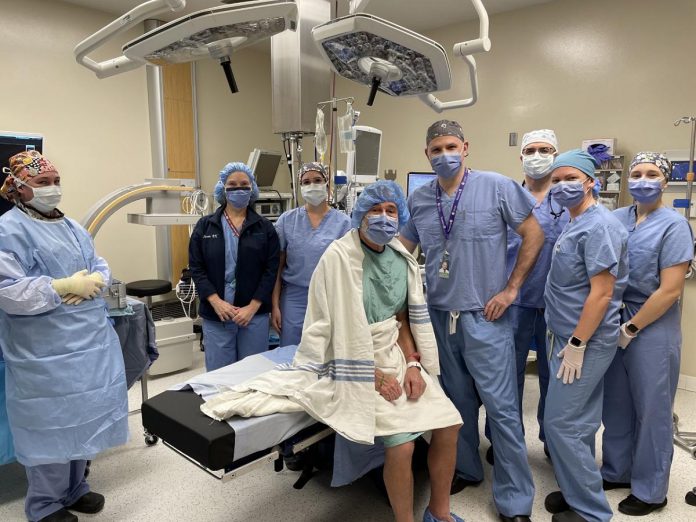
(383, 55)
(215, 32)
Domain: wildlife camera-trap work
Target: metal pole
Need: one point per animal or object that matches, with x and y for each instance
(158, 144)
(334, 142)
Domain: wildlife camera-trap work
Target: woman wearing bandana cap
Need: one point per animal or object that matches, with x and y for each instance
(304, 233)
(641, 383)
(66, 387)
(233, 256)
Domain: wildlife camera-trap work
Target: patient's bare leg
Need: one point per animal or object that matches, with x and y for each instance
(398, 478)
(442, 459)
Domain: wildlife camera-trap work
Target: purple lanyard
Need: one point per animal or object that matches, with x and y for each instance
(447, 227)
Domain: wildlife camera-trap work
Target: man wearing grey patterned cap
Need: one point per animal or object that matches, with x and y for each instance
(461, 220)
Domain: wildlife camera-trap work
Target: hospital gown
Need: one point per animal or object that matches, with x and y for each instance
(303, 246)
(641, 383)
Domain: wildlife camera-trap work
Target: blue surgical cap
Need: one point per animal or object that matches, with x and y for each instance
(578, 159)
(380, 192)
(228, 169)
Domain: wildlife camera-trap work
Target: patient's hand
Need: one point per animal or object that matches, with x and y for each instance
(414, 383)
(387, 386)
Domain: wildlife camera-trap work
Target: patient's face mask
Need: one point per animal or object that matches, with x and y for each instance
(45, 199)
(238, 197)
(380, 228)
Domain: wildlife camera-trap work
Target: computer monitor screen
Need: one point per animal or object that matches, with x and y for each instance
(679, 170)
(10, 144)
(418, 179)
(367, 147)
(264, 164)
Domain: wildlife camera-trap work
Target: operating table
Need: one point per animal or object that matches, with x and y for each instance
(231, 448)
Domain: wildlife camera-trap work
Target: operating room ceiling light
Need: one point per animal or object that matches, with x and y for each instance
(376, 52)
(395, 60)
(215, 32)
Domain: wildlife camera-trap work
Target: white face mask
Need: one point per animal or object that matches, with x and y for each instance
(45, 199)
(537, 166)
(314, 194)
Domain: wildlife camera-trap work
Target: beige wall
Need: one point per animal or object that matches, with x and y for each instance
(230, 125)
(586, 68)
(95, 131)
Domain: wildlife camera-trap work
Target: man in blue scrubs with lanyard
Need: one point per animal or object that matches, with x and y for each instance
(460, 220)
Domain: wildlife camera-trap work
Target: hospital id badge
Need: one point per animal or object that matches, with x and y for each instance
(443, 271)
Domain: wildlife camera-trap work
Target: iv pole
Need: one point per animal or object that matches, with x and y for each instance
(686, 439)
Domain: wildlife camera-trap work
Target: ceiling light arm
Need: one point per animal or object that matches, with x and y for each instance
(464, 50)
(134, 16)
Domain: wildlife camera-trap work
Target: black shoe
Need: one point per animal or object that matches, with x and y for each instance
(490, 458)
(556, 503)
(88, 503)
(690, 498)
(637, 508)
(608, 486)
(516, 518)
(567, 516)
(459, 484)
(295, 462)
(62, 515)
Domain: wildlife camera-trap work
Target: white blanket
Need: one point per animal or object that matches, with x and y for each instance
(332, 375)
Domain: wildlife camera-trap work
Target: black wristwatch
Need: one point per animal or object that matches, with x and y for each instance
(575, 341)
(632, 328)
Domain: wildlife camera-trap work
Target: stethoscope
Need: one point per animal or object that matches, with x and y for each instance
(556, 215)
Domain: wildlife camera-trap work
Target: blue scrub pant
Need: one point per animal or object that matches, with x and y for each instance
(529, 327)
(227, 343)
(639, 390)
(53, 487)
(572, 417)
(480, 356)
(293, 306)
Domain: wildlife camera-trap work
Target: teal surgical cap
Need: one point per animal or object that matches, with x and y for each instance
(578, 159)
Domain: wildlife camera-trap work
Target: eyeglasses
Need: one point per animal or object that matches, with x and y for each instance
(544, 151)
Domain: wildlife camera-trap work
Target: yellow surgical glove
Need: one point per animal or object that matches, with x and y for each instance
(79, 284)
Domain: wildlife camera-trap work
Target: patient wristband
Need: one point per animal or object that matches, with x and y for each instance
(414, 364)
(415, 356)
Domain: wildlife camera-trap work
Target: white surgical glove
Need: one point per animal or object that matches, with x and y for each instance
(79, 284)
(625, 337)
(72, 299)
(571, 365)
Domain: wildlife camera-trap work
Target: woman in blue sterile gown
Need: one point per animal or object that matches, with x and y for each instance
(65, 381)
(588, 274)
(305, 233)
(641, 383)
(233, 256)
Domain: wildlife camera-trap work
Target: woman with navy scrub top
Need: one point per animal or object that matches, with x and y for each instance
(588, 274)
(305, 233)
(233, 255)
(640, 385)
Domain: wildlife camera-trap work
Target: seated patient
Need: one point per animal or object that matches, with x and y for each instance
(367, 362)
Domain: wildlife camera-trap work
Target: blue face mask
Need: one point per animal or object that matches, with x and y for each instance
(568, 193)
(238, 197)
(447, 165)
(381, 229)
(645, 190)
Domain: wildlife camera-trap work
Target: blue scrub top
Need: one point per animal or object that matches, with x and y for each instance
(477, 246)
(662, 240)
(231, 250)
(304, 245)
(531, 294)
(591, 243)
